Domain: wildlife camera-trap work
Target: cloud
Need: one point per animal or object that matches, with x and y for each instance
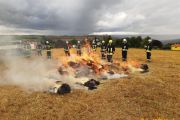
(87, 16)
(119, 20)
(114, 33)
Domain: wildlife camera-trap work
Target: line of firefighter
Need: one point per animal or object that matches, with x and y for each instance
(48, 49)
(107, 51)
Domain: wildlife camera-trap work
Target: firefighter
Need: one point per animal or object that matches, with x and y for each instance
(148, 48)
(48, 48)
(79, 48)
(103, 50)
(110, 51)
(67, 48)
(87, 45)
(124, 50)
(39, 50)
(94, 45)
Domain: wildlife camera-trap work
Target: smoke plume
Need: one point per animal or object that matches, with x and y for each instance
(28, 73)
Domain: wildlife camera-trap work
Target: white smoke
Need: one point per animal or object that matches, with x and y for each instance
(36, 74)
(39, 74)
(134, 69)
(27, 73)
(33, 73)
(115, 76)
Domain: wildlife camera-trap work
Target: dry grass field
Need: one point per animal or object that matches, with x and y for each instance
(153, 95)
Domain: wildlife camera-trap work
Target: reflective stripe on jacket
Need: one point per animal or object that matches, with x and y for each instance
(125, 47)
(110, 49)
(149, 48)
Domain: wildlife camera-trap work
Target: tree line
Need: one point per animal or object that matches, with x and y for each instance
(135, 42)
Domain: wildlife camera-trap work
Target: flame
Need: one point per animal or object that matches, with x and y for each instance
(93, 60)
(88, 57)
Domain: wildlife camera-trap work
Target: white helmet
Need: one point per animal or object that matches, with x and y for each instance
(110, 41)
(47, 42)
(150, 40)
(67, 42)
(78, 41)
(124, 41)
(103, 41)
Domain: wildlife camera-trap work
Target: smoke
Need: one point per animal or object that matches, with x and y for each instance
(134, 69)
(36, 74)
(39, 74)
(27, 73)
(31, 73)
(114, 76)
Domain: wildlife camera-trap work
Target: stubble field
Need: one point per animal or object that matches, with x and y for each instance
(153, 95)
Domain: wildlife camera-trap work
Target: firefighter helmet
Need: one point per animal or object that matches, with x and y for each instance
(124, 41)
(150, 40)
(110, 41)
(47, 42)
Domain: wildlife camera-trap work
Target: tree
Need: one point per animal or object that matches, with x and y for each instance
(167, 46)
(118, 42)
(157, 43)
(73, 42)
(131, 42)
(139, 41)
(145, 41)
(109, 37)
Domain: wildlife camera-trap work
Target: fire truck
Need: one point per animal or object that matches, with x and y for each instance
(175, 47)
(17, 48)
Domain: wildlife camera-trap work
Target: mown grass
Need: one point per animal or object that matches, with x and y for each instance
(152, 95)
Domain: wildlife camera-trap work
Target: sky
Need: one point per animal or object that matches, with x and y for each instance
(79, 17)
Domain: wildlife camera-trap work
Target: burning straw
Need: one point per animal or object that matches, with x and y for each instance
(88, 69)
(74, 72)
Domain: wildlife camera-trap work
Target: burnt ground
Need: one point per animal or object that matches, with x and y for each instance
(152, 95)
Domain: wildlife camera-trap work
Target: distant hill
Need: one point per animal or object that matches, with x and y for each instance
(163, 38)
(170, 41)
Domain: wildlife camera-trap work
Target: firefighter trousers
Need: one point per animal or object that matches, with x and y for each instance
(124, 55)
(49, 54)
(148, 55)
(79, 52)
(39, 53)
(67, 53)
(103, 56)
(109, 58)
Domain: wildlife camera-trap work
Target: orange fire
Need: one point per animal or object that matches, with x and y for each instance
(88, 58)
(93, 61)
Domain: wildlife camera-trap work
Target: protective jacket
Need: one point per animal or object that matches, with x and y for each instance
(66, 48)
(149, 47)
(103, 48)
(125, 47)
(94, 45)
(48, 47)
(110, 49)
(78, 47)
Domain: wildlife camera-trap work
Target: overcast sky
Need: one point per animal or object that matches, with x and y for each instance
(61, 17)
